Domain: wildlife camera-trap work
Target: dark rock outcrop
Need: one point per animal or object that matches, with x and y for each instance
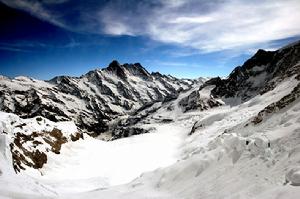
(122, 132)
(277, 106)
(24, 147)
(259, 74)
(194, 101)
(117, 69)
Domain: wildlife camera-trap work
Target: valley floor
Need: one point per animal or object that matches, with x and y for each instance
(91, 163)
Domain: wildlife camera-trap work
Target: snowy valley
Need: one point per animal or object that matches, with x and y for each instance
(124, 133)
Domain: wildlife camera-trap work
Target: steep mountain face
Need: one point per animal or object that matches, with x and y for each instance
(92, 101)
(258, 75)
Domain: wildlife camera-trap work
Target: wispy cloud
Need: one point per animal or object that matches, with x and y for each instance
(37, 8)
(21, 46)
(205, 26)
(6, 48)
(32, 46)
(173, 64)
(169, 63)
(226, 25)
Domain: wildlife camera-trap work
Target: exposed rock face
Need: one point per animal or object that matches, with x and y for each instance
(115, 68)
(121, 132)
(31, 140)
(93, 100)
(259, 74)
(138, 70)
(196, 102)
(277, 106)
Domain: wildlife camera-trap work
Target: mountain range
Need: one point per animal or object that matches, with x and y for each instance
(122, 132)
(95, 99)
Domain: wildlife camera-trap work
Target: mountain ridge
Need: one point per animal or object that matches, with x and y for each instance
(101, 96)
(91, 100)
(259, 74)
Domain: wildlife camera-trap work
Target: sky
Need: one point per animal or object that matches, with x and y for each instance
(184, 38)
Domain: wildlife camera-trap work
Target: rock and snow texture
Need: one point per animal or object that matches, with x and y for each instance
(93, 100)
(260, 74)
(26, 144)
(29, 141)
(242, 145)
(227, 156)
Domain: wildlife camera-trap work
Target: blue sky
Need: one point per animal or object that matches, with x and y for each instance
(184, 38)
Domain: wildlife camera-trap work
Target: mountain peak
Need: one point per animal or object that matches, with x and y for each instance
(116, 68)
(114, 65)
(260, 58)
(138, 70)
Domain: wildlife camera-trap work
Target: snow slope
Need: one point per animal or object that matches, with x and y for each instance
(223, 158)
(240, 162)
(102, 164)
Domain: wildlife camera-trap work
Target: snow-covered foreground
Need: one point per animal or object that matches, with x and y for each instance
(91, 163)
(245, 162)
(226, 157)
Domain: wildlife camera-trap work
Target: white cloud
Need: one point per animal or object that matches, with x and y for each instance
(206, 26)
(191, 20)
(230, 24)
(36, 8)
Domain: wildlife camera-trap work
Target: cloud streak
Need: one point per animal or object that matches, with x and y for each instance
(206, 26)
(231, 24)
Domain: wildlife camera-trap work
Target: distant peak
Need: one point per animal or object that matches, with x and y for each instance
(114, 64)
(260, 58)
(138, 65)
(157, 74)
(116, 68)
(138, 70)
(259, 51)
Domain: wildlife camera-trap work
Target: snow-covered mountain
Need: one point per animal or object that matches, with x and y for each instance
(237, 137)
(258, 75)
(92, 101)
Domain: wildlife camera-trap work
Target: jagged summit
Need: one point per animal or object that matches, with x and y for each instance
(117, 69)
(121, 71)
(92, 100)
(114, 64)
(258, 75)
(138, 70)
(260, 58)
(135, 69)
